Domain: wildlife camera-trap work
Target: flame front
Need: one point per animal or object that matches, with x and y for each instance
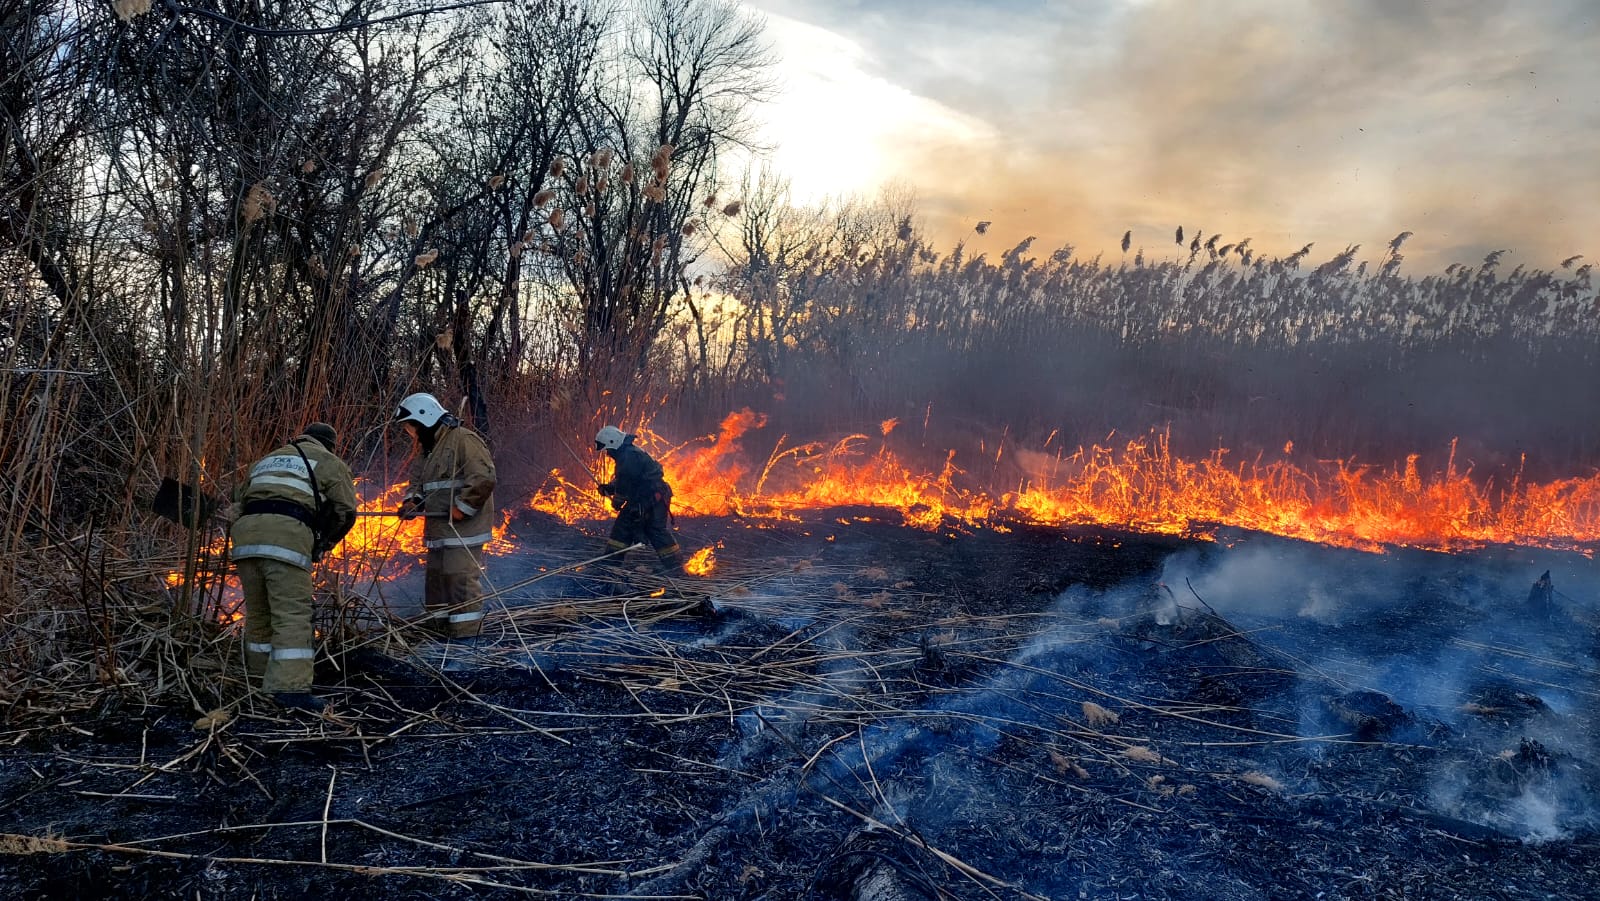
(1141, 486)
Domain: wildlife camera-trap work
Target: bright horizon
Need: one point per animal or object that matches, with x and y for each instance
(1473, 125)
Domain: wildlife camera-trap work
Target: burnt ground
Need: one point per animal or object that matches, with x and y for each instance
(877, 712)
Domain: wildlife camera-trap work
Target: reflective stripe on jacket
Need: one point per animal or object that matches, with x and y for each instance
(457, 475)
(283, 476)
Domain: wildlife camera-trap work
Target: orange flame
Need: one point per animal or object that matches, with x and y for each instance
(1140, 486)
(376, 548)
(701, 562)
(388, 546)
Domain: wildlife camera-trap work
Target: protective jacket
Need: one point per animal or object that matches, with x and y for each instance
(457, 474)
(643, 501)
(280, 518)
(639, 482)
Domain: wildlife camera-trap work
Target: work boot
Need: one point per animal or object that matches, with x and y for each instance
(299, 700)
(610, 581)
(669, 564)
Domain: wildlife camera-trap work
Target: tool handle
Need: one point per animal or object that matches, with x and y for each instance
(579, 460)
(393, 513)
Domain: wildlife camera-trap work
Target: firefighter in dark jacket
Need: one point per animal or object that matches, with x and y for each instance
(642, 499)
(452, 479)
(298, 502)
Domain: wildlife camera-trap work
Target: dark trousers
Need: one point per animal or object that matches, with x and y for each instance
(648, 523)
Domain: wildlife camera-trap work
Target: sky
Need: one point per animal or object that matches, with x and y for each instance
(1474, 124)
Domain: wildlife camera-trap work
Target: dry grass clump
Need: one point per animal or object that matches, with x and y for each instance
(1142, 754)
(1098, 716)
(11, 843)
(1066, 766)
(1262, 780)
(878, 600)
(218, 717)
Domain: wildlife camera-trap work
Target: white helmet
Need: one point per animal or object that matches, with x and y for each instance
(422, 409)
(609, 438)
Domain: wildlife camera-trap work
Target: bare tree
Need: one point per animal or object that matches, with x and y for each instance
(489, 160)
(44, 113)
(651, 139)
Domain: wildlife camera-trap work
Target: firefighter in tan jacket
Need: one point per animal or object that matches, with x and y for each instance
(452, 479)
(298, 502)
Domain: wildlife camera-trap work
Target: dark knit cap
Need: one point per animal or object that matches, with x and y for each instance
(323, 432)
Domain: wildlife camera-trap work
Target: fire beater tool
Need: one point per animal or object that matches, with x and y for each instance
(185, 505)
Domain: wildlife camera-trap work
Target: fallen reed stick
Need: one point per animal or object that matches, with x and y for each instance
(326, 807)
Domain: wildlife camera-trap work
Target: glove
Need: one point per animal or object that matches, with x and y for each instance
(410, 508)
(456, 515)
(607, 489)
(617, 504)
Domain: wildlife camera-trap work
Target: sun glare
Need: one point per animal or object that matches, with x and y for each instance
(836, 128)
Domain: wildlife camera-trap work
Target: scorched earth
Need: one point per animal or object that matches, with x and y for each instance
(857, 709)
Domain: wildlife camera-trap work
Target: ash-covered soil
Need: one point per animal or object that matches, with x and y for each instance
(868, 711)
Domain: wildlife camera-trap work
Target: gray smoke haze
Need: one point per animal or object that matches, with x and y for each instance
(1346, 121)
(1452, 639)
(1421, 627)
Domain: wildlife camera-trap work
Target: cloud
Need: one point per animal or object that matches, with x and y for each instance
(1337, 121)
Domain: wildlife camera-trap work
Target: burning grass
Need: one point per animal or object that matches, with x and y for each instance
(1142, 485)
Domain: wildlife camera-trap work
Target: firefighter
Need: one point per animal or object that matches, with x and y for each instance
(452, 480)
(642, 499)
(298, 502)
